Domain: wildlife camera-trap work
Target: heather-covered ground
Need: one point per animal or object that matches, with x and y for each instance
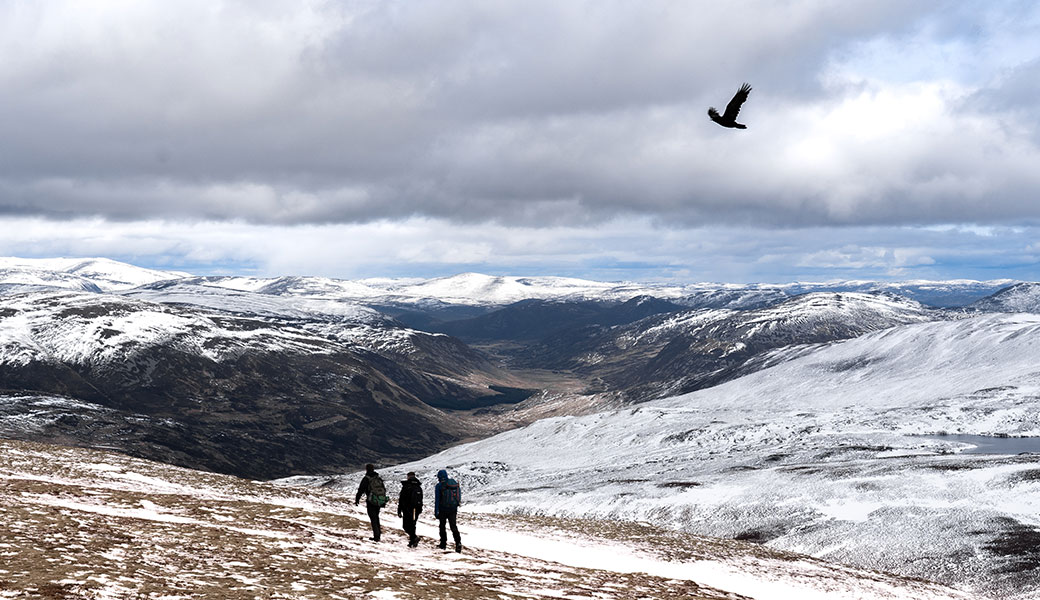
(77, 523)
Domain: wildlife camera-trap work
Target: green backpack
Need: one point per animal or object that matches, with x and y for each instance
(377, 491)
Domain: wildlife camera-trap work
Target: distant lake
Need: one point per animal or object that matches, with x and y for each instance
(988, 444)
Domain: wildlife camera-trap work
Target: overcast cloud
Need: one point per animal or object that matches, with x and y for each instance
(905, 123)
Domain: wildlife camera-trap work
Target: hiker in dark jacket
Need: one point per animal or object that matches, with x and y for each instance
(409, 505)
(447, 497)
(372, 488)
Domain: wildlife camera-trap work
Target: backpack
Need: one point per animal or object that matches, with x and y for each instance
(376, 491)
(451, 497)
(415, 497)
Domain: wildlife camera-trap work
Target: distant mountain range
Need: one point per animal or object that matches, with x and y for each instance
(474, 289)
(270, 377)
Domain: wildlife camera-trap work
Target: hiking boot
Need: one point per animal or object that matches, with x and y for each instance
(458, 547)
(443, 545)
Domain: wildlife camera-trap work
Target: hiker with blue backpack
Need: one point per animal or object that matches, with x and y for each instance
(447, 497)
(374, 490)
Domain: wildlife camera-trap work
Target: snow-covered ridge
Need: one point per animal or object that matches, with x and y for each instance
(97, 329)
(187, 292)
(93, 328)
(1021, 297)
(852, 310)
(469, 288)
(88, 274)
(486, 290)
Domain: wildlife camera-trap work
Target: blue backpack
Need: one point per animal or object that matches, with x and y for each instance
(451, 496)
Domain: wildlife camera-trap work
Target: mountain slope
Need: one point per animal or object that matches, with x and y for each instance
(685, 351)
(91, 525)
(1021, 297)
(836, 451)
(531, 320)
(440, 370)
(79, 274)
(226, 392)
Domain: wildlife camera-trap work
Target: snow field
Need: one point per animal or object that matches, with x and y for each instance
(835, 453)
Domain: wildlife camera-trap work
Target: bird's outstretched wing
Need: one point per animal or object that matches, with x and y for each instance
(734, 105)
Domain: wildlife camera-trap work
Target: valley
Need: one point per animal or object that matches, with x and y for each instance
(825, 420)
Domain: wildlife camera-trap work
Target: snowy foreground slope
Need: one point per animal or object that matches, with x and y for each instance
(834, 451)
(91, 525)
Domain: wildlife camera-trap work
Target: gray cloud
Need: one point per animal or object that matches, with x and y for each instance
(534, 113)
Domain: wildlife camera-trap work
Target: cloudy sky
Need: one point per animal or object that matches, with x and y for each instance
(885, 140)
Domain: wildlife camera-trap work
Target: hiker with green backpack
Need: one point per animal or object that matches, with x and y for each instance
(374, 490)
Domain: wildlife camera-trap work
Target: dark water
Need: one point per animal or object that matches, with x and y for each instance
(986, 444)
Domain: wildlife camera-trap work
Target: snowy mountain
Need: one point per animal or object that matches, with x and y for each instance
(89, 274)
(840, 451)
(683, 351)
(941, 294)
(474, 289)
(1021, 297)
(471, 289)
(529, 320)
(188, 292)
(249, 392)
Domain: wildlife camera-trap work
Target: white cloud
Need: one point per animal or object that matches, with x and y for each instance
(348, 137)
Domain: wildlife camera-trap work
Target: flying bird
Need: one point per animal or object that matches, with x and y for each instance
(729, 118)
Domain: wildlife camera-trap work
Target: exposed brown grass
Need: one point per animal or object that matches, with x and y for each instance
(79, 524)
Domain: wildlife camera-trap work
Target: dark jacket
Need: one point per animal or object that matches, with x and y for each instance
(442, 478)
(362, 489)
(411, 497)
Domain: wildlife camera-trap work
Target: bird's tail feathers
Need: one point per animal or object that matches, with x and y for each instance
(714, 114)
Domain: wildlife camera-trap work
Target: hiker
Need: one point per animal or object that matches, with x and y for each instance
(409, 505)
(446, 501)
(374, 490)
